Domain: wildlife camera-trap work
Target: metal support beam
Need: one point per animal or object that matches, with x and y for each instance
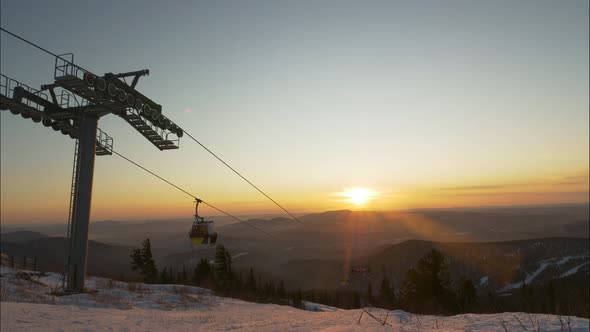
(133, 73)
(83, 197)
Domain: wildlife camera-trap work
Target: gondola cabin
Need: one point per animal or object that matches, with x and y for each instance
(202, 232)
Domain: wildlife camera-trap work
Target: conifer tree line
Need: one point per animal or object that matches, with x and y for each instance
(219, 277)
(427, 289)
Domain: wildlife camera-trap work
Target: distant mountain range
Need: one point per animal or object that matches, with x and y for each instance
(103, 259)
(498, 248)
(21, 236)
(497, 266)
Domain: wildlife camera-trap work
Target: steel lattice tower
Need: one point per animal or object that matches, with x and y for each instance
(73, 105)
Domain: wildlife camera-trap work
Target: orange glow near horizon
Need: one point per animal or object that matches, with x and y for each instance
(152, 201)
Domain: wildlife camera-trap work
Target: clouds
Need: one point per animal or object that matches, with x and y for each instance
(564, 188)
(554, 182)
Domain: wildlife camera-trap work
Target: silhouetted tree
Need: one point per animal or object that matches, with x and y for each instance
(142, 260)
(171, 277)
(202, 273)
(238, 284)
(526, 295)
(551, 297)
(356, 301)
(386, 294)
(467, 296)
(164, 276)
(251, 282)
(136, 260)
(281, 293)
(427, 286)
(223, 270)
(183, 275)
(297, 299)
(269, 291)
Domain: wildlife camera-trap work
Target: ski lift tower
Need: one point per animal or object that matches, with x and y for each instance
(72, 105)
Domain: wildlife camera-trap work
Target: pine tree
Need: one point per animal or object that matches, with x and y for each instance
(150, 272)
(251, 281)
(281, 293)
(184, 276)
(269, 291)
(164, 276)
(526, 295)
(172, 279)
(386, 294)
(136, 260)
(467, 295)
(356, 300)
(297, 300)
(427, 285)
(223, 270)
(337, 301)
(238, 284)
(202, 272)
(142, 260)
(551, 297)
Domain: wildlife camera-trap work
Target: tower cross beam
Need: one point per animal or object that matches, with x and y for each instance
(94, 97)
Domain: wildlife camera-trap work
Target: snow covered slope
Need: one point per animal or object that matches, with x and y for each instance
(117, 306)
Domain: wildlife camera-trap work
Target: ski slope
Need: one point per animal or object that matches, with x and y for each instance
(117, 306)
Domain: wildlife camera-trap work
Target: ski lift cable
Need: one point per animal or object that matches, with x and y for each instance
(192, 195)
(240, 175)
(187, 133)
(40, 48)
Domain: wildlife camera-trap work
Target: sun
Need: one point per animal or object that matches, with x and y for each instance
(359, 196)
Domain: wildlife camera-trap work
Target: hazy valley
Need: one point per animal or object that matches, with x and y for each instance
(498, 248)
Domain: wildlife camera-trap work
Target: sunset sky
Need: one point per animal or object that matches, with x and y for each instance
(424, 103)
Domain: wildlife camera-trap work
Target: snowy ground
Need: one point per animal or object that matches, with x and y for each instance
(116, 306)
